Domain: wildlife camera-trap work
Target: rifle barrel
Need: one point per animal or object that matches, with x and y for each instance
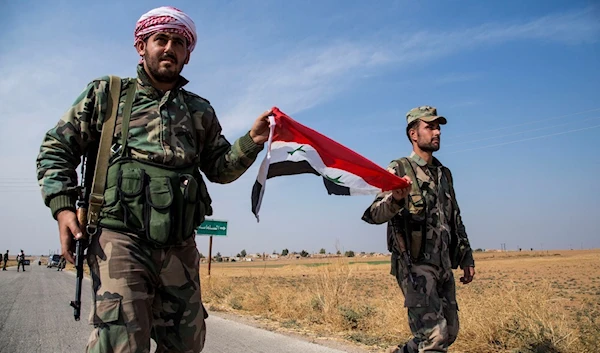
(76, 304)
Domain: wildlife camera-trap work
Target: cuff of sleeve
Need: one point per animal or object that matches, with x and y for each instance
(468, 261)
(396, 205)
(61, 202)
(248, 146)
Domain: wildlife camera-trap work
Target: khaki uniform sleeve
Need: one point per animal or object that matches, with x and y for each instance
(384, 207)
(221, 161)
(62, 147)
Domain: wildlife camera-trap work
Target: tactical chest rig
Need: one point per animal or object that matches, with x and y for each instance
(412, 221)
(160, 204)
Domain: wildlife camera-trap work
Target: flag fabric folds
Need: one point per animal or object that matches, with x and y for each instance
(293, 148)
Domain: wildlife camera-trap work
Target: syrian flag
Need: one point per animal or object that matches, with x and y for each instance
(296, 149)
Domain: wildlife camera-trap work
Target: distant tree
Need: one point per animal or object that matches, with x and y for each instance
(243, 253)
(285, 252)
(478, 250)
(218, 257)
(349, 253)
(238, 255)
(338, 252)
(322, 251)
(304, 253)
(275, 252)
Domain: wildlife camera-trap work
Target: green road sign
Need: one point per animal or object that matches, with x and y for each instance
(212, 227)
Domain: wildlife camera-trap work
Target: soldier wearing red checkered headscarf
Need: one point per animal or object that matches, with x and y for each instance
(142, 253)
(166, 19)
(164, 38)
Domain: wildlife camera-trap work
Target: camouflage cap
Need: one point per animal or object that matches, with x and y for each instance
(425, 113)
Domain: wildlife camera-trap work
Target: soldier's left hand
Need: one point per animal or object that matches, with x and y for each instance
(260, 129)
(469, 273)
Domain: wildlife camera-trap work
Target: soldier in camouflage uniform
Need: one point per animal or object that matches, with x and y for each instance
(439, 241)
(21, 261)
(143, 260)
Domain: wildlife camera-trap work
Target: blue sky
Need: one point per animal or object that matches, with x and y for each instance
(518, 82)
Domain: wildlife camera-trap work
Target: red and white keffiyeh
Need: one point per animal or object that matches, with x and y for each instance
(166, 19)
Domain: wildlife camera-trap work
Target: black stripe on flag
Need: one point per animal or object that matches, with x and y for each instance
(290, 168)
(256, 195)
(280, 169)
(336, 189)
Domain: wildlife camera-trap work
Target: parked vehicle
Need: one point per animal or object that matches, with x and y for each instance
(53, 261)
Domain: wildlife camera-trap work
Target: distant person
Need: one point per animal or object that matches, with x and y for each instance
(21, 260)
(5, 260)
(62, 263)
(424, 223)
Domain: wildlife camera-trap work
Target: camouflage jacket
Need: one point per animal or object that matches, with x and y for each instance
(442, 221)
(176, 128)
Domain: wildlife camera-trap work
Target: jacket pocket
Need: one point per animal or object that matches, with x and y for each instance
(112, 204)
(130, 186)
(159, 195)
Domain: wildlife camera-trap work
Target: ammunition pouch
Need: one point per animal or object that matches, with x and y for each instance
(413, 225)
(416, 226)
(163, 206)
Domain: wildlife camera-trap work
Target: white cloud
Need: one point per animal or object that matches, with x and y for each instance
(305, 77)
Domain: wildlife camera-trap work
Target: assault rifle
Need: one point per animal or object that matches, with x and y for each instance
(87, 176)
(403, 248)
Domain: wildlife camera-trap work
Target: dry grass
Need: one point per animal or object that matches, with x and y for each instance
(10, 263)
(520, 302)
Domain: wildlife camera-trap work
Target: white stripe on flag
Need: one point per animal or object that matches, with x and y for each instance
(263, 171)
(284, 151)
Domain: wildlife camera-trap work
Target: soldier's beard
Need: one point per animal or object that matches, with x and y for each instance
(428, 146)
(161, 73)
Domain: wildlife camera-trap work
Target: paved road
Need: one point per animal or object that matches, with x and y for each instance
(35, 316)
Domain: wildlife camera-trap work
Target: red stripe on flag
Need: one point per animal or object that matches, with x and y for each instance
(333, 154)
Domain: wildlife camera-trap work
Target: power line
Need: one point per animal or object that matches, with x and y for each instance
(519, 133)
(527, 123)
(526, 139)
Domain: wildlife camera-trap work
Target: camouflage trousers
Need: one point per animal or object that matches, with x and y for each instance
(141, 292)
(432, 308)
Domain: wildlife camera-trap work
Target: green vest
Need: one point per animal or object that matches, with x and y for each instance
(160, 204)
